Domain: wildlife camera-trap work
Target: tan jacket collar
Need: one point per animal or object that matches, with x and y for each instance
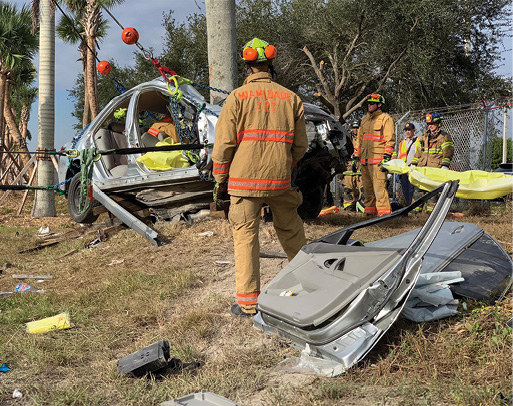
(375, 114)
(260, 76)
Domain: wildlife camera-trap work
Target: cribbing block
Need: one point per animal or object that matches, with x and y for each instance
(219, 212)
(148, 359)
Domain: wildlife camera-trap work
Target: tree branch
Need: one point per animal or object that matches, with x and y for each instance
(325, 101)
(319, 73)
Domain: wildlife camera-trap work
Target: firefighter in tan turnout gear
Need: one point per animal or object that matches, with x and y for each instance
(352, 179)
(260, 135)
(375, 144)
(436, 145)
(436, 151)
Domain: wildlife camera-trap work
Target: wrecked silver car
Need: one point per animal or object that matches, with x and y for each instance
(123, 182)
(338, 297)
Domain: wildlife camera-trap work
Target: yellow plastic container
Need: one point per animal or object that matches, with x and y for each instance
(58, 322)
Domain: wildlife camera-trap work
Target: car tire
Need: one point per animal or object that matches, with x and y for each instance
(74, 203)
(312, 203)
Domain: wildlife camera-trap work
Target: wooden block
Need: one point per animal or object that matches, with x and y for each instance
(218, 212)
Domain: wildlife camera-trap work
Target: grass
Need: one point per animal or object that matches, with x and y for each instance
(126, 294)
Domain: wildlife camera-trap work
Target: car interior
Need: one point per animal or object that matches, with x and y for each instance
(152, 106)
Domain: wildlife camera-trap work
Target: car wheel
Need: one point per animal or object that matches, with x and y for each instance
(74, 203)
(312, 203)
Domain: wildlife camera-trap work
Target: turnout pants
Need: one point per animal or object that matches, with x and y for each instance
(353, 190)
(244, 216)
(374, 182)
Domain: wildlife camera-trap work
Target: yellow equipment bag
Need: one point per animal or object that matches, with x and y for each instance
(473, 184)
(166, 160)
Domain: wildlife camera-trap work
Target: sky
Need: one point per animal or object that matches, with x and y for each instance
(147, 18)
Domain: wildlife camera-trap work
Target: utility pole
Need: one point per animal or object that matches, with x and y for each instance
(44, 202)
(222, 47)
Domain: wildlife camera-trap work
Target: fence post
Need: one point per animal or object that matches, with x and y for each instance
(485, 135)
(397, 129)
(505, 137)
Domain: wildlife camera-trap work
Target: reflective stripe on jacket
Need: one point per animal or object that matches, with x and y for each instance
(435, 152)
(376, 137)
(403, 150)
(260, 135)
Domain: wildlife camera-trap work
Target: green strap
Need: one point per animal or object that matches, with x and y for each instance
(87, 157)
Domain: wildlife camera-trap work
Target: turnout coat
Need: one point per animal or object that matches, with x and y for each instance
(260, 135)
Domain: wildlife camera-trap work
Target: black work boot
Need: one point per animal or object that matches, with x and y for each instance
(238, 312)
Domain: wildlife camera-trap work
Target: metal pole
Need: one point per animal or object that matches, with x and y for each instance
(504, 137)
(397, 127)
(485, 135)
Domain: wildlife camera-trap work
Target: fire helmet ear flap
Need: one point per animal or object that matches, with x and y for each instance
(270, 52)
(250, 54)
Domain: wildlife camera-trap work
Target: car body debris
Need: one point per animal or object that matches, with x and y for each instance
(346, 294)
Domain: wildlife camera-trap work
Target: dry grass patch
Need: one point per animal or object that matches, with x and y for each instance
(126, 294)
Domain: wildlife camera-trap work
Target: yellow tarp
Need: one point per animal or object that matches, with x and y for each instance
(166, 160)
(473, 184)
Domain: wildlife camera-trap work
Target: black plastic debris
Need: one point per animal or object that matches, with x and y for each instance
(150, 359)
(154, 360)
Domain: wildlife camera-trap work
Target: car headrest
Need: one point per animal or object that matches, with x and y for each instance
(117, 127)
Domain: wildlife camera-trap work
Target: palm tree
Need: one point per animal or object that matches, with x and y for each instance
(69, 29)
(88, 17)
(17, 47)
(44, 202)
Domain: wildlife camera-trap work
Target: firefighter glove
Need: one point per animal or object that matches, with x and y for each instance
(220, 193)
(386, 158)
(355, 157)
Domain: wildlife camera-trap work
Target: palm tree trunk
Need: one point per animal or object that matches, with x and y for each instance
(24, 119)
(15, 136)
(90, 84)
(90, 23)
(87, 109)
(3, 84)
(44, 202)
(84, 52)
